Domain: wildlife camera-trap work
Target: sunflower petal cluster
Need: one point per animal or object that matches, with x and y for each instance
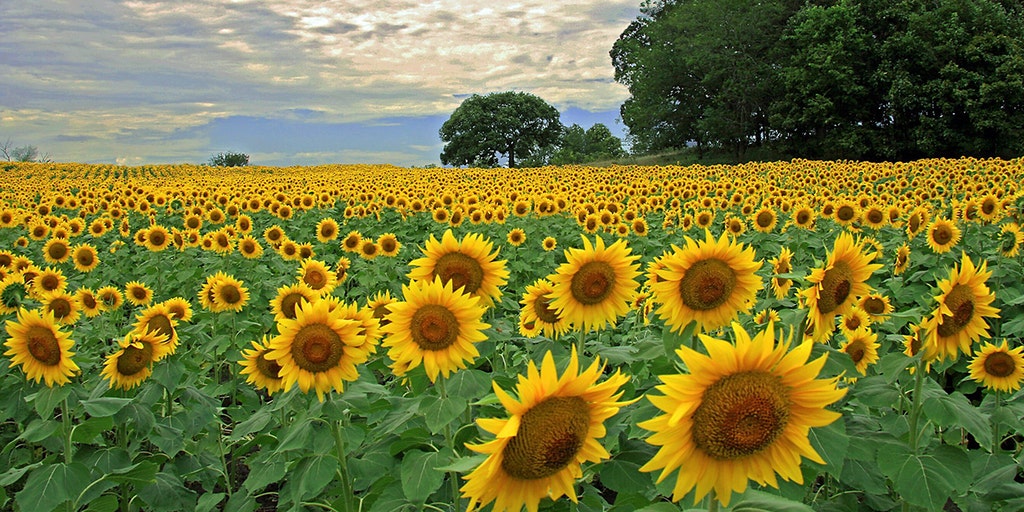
(836, 287)
(37, 344)
(596, 284)
(469, 264)
(959, 316)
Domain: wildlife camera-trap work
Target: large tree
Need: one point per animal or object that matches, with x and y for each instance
(510, 124)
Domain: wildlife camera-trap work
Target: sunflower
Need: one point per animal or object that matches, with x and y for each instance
(89, 302)
(85, 257)
(56, 251)
(179, 308)
(516, 237)
(249, 247)
(37, 344)
(595, 285)
(389, 245)
(274, 235)
(538, 313)
(352, 241)
(862, 347)
(765, 316)
(902, 260)
(380, 305)
(852, 320)
(846, 212)
(435, 326)
(998, 367)
(549, 243)
(782, 265)
(368, 249)
(876, 305)
(157, 238)
(639, 226)
(138, 293)
(765, 219)
(159, 320)
(133, 364)
(875, 217)
(262, 373)
(742, 413)
(326, 230)
(835, 288)
(316, 275)
(288, 299)
(553, 427)
(468, 264)
(110, 298)
(1010, 240)
(341, 268)
(959, 318)
(50, 280)
(942, 235)
(319, 349)
(62, 305)
(229, 294)
(289, 250)
(709, 282)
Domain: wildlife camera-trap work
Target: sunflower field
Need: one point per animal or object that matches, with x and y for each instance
(791, 336)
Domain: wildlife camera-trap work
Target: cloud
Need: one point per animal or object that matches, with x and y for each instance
(118, 70)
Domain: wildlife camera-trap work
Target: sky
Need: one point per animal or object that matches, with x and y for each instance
(290, 82)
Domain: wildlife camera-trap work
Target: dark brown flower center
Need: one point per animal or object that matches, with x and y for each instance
(85, 257)
(314, 278)
(959, 300)
(542, 308)
(461, 271)
(874, 306)
(434, 327)
(157, 238)
(1000, 364)
(835, 287)
(268, 367)
(289, 303)
(845, 213)
(593, 282)
(60, 307)
(58, 251)
(856, 351)
(161, 326)
(765, 219)
(707, 284)
(317, 348)
(942, 234)
(741, 415)
(49, 282)
(875, 216)
(550, 435)
(133, 360)
(43, 345)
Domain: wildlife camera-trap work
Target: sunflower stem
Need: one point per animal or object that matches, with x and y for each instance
(343, 474)
(581, 342)
(66, 420)
(712, 501)
(915, 408)
(449, 439)
(996, 441)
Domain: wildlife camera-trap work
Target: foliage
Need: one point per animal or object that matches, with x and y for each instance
(510, 124)
(27, 153)
(867, 79)
(229, 159)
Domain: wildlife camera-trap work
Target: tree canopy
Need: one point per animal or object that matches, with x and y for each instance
(510, 124)
(229, 159)
(864, 79)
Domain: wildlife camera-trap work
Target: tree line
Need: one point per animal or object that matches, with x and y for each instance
(853, 79)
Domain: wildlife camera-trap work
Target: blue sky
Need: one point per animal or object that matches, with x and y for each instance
(290, 82)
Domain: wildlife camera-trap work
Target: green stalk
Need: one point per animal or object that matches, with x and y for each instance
(122, 442)
(915, 408)
(712, 501)
(66, 420)
(581, 342)
(453, 477)
(348, 495)
(995, 423)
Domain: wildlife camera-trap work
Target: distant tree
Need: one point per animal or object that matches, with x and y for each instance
(22, 153)
(511, 124)
(229, 159)
(580, 146)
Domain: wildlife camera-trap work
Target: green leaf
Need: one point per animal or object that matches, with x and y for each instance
(864, 476)
(255, 423)
(89, 430)
(168, 375)
(138, 474)
(107, 503)
(265, 473)
(167, 438)
(753, 500)
(419, 477)
(926, 480)
(14, 474)
(49, 486)
(673, 341)
(314, 473)
(438, 412)
(875, 391)
(660, 507)
(469, 384)
(624, 476)
(296, 436)
(954, 410)
(208, 502)
(167, 493)
(47, 399)
(105, 406)
(831, 443)
(463, 464)
(40, 429)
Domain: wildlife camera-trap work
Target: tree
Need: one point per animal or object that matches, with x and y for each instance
(26, 153)
(511, 124)
(581, 146)
(229, 159)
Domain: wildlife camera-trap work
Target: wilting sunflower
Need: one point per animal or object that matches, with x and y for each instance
(709, 282)
(319, 349)
(1010, 240)
(389, 245)
(262, 373)
(959, 318)
(942, 235)
(549, 243)
(998, 367)
(316, 275)
(538, 313)
(553, 427)
(110, 298)
(159, 320)
(12, 293)
(289, 298)
(595, 285)
(742, 413)
(179, 308)
(56, 251)
(63, 305)
(435, 326)
(138, 293)
(468, 264)
(133, 364)
(902, 260)
(229, 294)
(516, 237)
(37, 344)
(326, 230)
(782, 265)
(862, 347)
(835, 288)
